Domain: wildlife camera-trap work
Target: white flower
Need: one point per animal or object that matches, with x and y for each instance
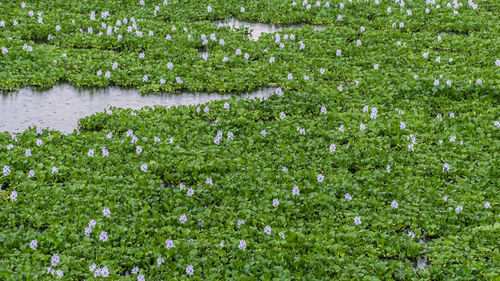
(388, 168)
(341, 128)
(209, 9)
(445, 198)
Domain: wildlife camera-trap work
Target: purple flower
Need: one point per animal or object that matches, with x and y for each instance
(276, 202)
(140, 277)
(92, 267)
(402, 125)
(104, 271)
(144, 167)
(189, 270)
(160, 260)
(295, 190)
(182, 219)
(169, 244)
(209, 181)
(263, 133)
(88, 230)
(54, 260)
(446, 167)
(92, 223)
(394, 204)
(267, 230)
(458, 209)
(348, 197)
(106, 212)
(357, 220)
(13, 195)
(6, 170)
(59, 273)
(91, 153)
(135, 270)
(33, 244)
(240, 222)
(103, 236)
(242, 245)
(190, 192)
(362, 127)
(487, 205)
(282, 235)
(320, 178)
(138, 149)
(55, 170)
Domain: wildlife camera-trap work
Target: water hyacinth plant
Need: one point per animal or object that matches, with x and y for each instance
(364, 142)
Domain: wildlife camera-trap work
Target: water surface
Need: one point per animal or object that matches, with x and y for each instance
(256, 29)
(60, 107)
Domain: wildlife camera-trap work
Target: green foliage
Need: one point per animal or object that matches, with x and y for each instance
(321, 240)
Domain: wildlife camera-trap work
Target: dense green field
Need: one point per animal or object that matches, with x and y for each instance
(378, 157)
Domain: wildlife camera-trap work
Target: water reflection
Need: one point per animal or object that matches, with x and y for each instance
(256, 29)
(60, 107)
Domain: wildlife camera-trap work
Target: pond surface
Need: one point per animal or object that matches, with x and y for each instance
(256, 29)
(60, 107)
